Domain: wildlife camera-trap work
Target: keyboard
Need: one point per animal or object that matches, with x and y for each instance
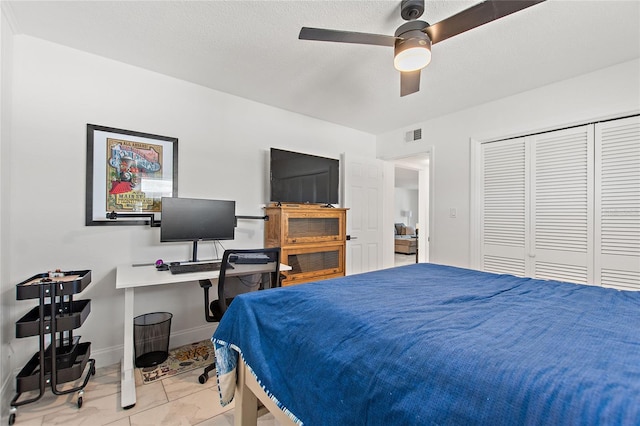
(249, 258)
(196, 267)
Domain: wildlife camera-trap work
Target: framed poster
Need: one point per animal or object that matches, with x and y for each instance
(128, 173)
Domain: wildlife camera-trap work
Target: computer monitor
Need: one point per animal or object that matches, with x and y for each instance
(192, 219)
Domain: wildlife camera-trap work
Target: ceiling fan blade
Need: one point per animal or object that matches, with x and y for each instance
(480, 14)
(409, 82)
(320, 34)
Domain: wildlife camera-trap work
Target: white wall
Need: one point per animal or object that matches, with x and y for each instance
(406, 200)
(223, 146)
(608, 92)
(6, 61)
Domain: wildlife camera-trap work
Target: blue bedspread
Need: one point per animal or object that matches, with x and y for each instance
(431, 344)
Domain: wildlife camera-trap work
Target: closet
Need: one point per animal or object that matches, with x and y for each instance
(563, 204)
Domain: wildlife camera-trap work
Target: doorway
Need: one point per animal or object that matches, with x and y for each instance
(412, 208)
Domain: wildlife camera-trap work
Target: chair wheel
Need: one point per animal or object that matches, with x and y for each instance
(203, 378)
(12, 418)
(79, 402)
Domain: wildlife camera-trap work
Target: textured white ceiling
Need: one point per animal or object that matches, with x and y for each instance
(251, 49)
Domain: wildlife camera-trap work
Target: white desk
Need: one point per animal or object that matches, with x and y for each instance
(128, 278)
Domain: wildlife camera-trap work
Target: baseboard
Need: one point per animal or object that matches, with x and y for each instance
(113, 355)
(7, 395)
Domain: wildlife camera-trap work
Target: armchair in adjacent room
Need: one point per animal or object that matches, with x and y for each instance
(252, 270)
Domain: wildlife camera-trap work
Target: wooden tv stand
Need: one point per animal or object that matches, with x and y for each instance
(312, 239)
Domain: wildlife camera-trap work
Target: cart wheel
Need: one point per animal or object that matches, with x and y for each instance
(80, 393)
(203, 378)
(12, 418)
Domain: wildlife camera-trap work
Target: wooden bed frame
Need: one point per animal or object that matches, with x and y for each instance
(248, 394)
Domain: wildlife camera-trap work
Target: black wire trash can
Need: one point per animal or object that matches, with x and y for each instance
(151, 338)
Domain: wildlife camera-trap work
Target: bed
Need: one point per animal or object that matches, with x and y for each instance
(433, 344)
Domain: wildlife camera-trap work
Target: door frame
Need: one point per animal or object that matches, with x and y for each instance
(426, 190)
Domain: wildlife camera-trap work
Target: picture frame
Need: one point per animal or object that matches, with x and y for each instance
(128, 173)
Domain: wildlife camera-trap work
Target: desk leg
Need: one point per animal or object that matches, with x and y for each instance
(128, 381)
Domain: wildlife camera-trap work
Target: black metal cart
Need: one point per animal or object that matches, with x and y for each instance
(57, 315)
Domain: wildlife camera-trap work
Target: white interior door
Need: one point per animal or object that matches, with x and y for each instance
(538, 205)
(421, 163)
(504, 210)
(618, 203)
(363, 196)
(562, 205)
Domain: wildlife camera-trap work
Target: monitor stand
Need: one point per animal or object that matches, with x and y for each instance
(194, 257)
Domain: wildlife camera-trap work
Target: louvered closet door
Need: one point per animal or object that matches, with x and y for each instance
(562, 205)
(504, 207)
(618, 203)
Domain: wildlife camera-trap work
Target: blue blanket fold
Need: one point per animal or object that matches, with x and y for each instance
(433, 344)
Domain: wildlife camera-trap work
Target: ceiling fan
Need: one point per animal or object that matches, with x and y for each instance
(412, 40)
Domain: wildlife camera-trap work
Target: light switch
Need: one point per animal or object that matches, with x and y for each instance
(453, 212)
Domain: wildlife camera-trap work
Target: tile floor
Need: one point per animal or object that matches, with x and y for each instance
(404, 259)
(176, 400)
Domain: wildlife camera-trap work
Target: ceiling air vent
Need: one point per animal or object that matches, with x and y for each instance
(413, 135)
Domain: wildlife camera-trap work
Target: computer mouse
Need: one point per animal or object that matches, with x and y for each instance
(162, 267)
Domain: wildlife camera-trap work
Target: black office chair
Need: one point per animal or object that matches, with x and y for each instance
(233, 282)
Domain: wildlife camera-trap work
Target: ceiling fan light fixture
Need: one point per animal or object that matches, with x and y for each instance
(412, 55)
(412, 49)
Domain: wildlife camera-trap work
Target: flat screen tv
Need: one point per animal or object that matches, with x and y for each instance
(303, 178)
(193, 219)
